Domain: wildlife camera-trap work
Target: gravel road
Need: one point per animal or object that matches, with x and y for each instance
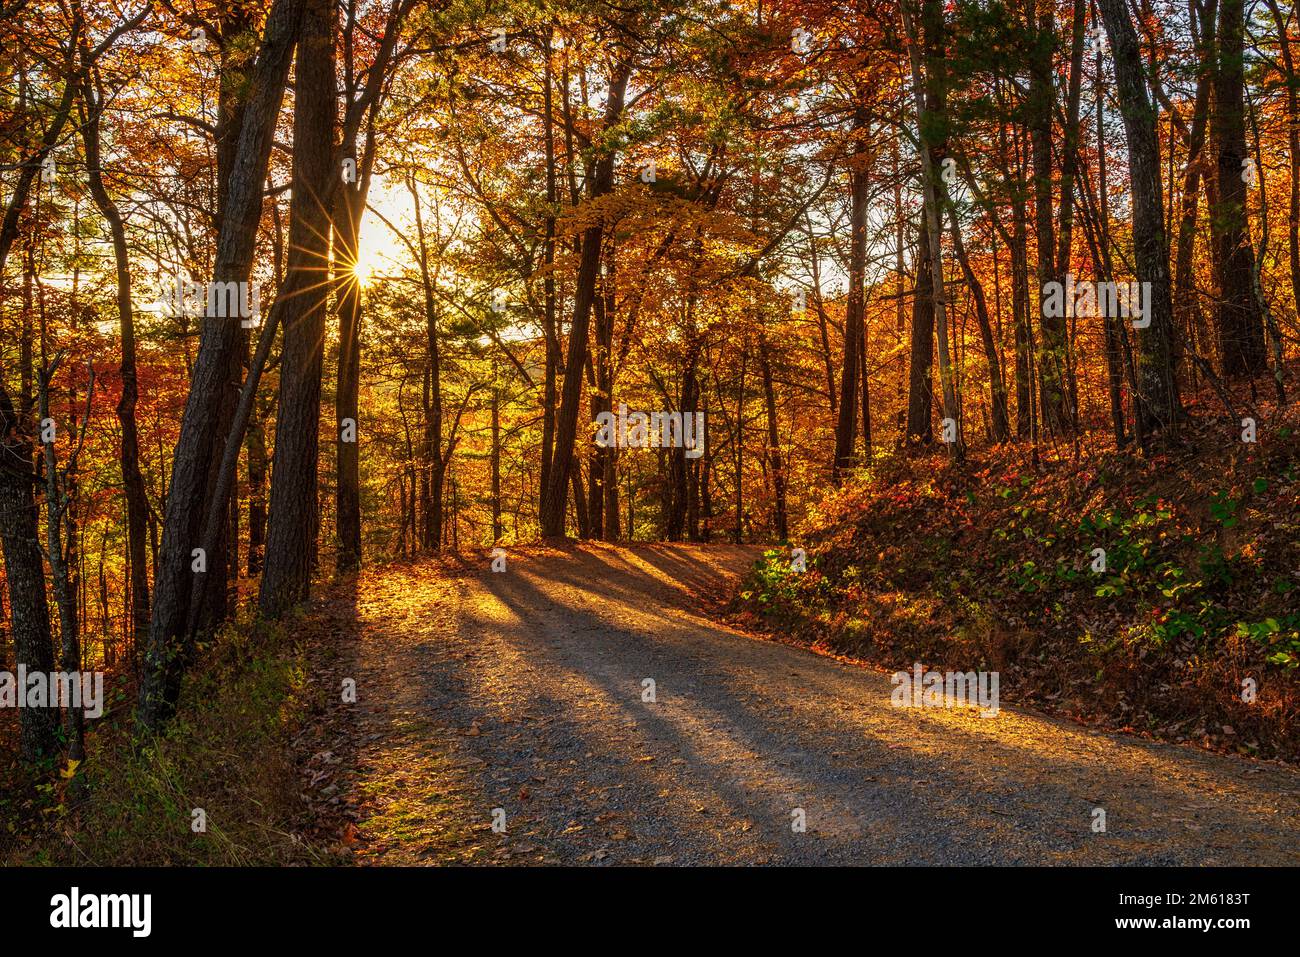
(519, 697)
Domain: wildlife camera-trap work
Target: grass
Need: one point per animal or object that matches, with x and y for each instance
(228, 753)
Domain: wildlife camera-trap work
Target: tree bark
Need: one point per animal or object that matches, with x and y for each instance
(1158, 401)
(1293, 147)
(1054, 398)
(57, 503)
(255, 445)
(25, 574)
(846, 428)
(200, 440)
(1240, 325)
(774, 442)
(1187, 306)
(934, 192)
(555, 492)
(349, 203)
(292, 522)
(137, 500)
(920, 382)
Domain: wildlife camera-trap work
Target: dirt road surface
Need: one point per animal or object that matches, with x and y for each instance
(520, 699)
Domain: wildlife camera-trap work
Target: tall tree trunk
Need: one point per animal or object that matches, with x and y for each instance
(349, 204)
(256, 452)
(57, 505)
(200, 440)
(556, 490)
(1065, 213)
(863, 371)
(293, 519)
(601, 398)
(1054, 398)
(900, 276)
(738, 533)
(920, 384)
(1293, 147)
(774, 441)
(845, 431)
(1240, 325)
(25, 575)
(496, 465)
(137, 501)
(434, 466)
(1021, 299)
(549, 331)
(1188, 315)
(1158, 401)
(215, 587)
(924, 93)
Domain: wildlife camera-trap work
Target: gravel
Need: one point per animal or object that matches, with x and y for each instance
(520, 694)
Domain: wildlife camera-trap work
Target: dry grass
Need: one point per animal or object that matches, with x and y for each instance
(229, 752)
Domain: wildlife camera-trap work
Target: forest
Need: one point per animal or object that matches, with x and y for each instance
(965, 329)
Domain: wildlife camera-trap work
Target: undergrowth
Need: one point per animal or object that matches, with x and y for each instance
(1186, 628)
(228, 753)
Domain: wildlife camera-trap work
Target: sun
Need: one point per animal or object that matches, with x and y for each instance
(365, 268)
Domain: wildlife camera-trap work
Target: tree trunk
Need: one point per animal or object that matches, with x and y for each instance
(1240, 325)
(25, 574)
(256, 451)
(1026, 424)
(556, 490)
(920, 385)
(137, 501)
(738, 533)
(1158, 401)
(349, 204)
(496, 465)
(774, 441)
(923, 93)
(200, 440)
(846, 428)
(1001, 424)
(1293, 148)
(57, 503)
(293, 519)
(433, 466)
(866, 397)
(601, 400)
(549, 331)
(1054, 398)
(1188, 314)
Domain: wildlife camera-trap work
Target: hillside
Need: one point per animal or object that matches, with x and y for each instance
(989, 565)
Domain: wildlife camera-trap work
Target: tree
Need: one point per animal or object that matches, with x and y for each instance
(25, 573)
(293, 521)
(201, 437)
(1158, 402)
(601, 178)
(1240, 324)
